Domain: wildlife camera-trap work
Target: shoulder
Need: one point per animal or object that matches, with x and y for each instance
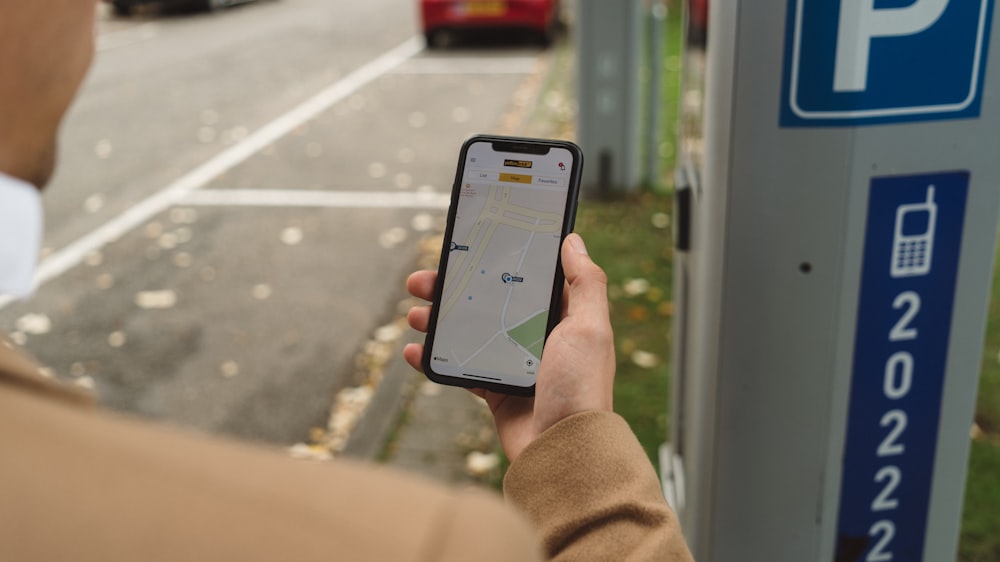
(128, 489)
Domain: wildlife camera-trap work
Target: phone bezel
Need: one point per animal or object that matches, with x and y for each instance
(515, 145)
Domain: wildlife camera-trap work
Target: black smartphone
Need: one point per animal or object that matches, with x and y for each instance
(499, 284)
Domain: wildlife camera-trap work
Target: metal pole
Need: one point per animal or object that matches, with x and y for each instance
(608, 52)
(658, 17)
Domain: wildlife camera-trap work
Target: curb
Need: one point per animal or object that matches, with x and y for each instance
(387, 405)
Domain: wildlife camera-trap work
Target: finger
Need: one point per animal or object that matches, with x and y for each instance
(586, 282)
(421, 284)
(419, 317)
(413, 353)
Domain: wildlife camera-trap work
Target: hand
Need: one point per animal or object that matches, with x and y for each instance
(577, 370)
(45, 49)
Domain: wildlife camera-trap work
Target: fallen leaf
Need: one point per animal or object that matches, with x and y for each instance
(645, 359)
(655, 294)
(291, 236)
(34, 324)
(116, 339)
(262, 291)
(302, 451)
(627, 346)
(480, 464)
(156, 299)
(660, 220)
(638, 313)
(977, 432)
(635, 287)
(229, 369)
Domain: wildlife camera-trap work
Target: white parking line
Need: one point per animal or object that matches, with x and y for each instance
(70, 256)
(306, 198)
(482, 65)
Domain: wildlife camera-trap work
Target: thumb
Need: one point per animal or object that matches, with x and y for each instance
(586, 282)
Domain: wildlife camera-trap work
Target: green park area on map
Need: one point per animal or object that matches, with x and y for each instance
(531, 333)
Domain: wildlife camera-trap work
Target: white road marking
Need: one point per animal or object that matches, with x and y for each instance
(482, 65)
(307, 198)
(71, 255)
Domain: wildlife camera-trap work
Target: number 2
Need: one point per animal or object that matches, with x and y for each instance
(878, 553)
(902, 330)
(883, 501)
(891, 445)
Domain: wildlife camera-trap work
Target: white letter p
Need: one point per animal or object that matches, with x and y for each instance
(860, 22)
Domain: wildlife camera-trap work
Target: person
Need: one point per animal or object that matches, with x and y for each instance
(576, 470)
(77, 483)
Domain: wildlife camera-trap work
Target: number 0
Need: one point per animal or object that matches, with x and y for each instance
(895, 386)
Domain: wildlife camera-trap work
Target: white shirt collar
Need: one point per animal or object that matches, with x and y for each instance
(20, 236)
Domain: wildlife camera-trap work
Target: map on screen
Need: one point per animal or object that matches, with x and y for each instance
(501, 264)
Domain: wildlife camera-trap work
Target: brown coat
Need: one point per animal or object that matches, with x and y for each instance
(77, 483)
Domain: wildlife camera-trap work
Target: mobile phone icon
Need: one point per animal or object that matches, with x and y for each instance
(913, 237)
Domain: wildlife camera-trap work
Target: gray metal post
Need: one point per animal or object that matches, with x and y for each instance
(657, 19)
(843, 225)
(608, 93)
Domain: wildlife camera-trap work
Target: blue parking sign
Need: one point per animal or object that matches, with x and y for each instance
(850, 63)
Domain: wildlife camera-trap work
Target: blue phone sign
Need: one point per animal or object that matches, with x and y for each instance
(909, 267)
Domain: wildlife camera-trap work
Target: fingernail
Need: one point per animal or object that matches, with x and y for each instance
(577, 243)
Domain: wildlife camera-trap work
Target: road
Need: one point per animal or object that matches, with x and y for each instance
(239, 199)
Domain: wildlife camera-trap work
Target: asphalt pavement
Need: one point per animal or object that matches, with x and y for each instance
(239, 200)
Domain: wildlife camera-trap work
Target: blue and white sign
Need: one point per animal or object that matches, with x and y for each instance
(858, 62)
(911, 256)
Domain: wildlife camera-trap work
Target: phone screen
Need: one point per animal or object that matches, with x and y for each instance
(500, 261)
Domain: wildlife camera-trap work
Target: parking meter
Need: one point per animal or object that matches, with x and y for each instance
(837, 217)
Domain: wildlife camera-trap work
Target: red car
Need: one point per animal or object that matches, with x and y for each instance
(440, 18)
(697, 22)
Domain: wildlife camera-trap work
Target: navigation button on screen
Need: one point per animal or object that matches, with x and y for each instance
(515, 178)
